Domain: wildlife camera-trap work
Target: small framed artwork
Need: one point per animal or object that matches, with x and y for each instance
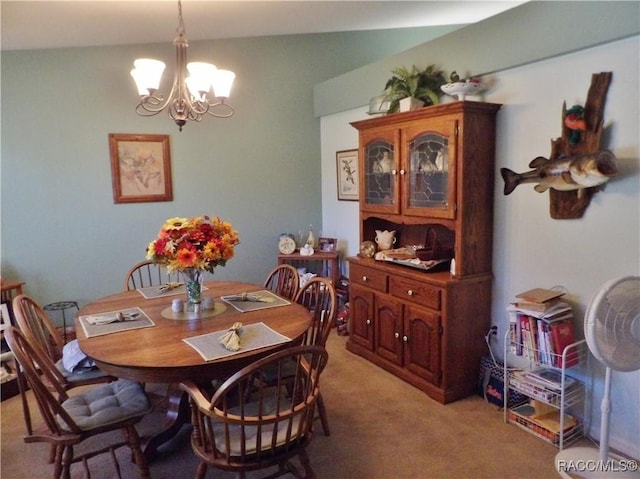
(140, 168)
(327, 245)
(5, 319)
(347, 169)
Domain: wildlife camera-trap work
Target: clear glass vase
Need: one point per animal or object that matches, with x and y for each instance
(193, 283)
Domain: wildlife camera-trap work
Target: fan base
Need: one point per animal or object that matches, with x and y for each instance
(584, 462)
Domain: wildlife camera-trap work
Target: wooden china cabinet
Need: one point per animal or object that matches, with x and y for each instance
(426, 171)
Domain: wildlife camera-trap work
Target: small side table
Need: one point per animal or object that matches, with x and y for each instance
(62, 306)
(328, 261)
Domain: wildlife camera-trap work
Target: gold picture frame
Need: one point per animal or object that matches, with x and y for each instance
(347, 172)
(140, 168)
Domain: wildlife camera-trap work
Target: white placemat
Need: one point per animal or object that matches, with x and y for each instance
(91, 330)
(266, 299)
(252, 336)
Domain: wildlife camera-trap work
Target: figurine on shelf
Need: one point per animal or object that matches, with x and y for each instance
(384, 164)
(574, 121)
(306, 250)
(311, 239)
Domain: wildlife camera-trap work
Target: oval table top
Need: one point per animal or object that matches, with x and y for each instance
(159, 354)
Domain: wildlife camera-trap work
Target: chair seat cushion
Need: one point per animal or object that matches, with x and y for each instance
(107, 404)
(251, 432)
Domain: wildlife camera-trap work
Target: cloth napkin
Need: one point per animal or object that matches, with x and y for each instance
(231, 339)
(169, 286)
(249, 297)
(112, 318)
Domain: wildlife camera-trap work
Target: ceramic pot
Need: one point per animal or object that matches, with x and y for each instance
(385, 239)
(410, 104)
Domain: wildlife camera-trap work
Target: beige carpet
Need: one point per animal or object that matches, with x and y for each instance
(382, 428)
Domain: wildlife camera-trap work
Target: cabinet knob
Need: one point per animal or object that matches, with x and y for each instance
(364, 278)
(402, 172)
(394, 172)
(410, 292)
(368, 322)
(405, 339)
(397, 335)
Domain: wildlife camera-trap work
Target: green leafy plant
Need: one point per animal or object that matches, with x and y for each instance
(421, 84)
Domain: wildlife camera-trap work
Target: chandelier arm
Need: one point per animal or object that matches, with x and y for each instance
(153, 104)
(215, 108)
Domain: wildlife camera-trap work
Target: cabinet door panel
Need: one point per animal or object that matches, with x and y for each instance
(379, 186)
(422, 344)
(361, 316)
(388, 323)
(429, 169)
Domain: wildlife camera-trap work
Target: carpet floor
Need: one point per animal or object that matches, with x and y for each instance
(381, 428)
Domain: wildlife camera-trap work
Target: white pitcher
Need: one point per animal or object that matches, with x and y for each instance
(385, 239)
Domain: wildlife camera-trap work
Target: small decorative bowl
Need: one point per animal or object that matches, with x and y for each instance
(460, 89)
(367, 249)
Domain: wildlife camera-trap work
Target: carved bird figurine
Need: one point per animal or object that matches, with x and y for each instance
(574, 120)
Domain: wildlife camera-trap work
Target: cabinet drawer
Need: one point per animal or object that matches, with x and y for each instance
(369, 277)
(415, 291)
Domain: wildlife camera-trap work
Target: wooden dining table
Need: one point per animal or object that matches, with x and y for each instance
(159, 354)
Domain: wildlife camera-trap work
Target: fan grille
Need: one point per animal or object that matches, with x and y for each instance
(612, 324)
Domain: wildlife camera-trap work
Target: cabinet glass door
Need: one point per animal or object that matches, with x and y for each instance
(380, 184)
(429, 173)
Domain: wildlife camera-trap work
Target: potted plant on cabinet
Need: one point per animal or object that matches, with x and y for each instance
(407, 86)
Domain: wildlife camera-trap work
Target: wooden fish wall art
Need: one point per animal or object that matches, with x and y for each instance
(577, 167)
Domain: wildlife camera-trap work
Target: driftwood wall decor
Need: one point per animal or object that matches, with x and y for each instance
(577, 167)
(572, 204)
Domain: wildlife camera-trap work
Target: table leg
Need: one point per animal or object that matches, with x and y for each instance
(177, 415)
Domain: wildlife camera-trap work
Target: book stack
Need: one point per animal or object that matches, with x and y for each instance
(545, 384)
(539, 300)
(544, 421)
(541, 328)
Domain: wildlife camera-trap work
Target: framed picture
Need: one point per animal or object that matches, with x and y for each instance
(140, 168)
(347, 169)
(5, 319)
(327, 245)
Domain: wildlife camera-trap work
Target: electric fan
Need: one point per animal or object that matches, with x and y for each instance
(612, 331)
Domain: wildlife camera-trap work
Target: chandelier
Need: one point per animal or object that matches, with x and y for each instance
(191, 97)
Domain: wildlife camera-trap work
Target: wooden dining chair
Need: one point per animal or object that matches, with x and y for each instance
(284, 281)
(147, 273)
(70, 420)
(242, 429)
(40, 330)
(319, 296)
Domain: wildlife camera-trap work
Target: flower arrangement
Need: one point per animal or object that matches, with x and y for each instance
(199, 243)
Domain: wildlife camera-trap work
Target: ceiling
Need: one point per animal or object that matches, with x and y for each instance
(77, 23)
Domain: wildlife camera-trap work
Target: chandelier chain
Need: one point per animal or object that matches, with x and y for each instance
(181, 28)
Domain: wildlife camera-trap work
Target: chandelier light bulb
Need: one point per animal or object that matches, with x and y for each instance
(147, 74)
(201, 78)
(222, 83)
